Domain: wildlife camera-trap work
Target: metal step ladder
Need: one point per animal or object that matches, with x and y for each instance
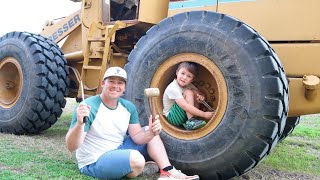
(97, 55)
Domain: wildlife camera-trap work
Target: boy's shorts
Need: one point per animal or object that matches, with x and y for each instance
(115, 164)
(177, 116)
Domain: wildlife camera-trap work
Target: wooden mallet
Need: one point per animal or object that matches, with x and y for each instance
(152, 93)
(85, 118)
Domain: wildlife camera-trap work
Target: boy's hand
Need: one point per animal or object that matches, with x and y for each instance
(200, 98)
(82, 111)
(208, 115)
(155, 127)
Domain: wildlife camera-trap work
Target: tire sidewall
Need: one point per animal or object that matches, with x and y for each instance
(17, 50)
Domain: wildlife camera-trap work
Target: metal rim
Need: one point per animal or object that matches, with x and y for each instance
(11, 80)
(211, 81)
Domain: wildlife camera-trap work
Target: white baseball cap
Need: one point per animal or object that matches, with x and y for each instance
(115, 71)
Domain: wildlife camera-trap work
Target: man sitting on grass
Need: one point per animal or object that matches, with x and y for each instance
(103, 148)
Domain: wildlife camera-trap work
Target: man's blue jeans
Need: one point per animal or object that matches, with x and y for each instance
(115, 164)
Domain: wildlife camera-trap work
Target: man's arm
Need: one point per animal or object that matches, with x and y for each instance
(143, 135)
(76, 135)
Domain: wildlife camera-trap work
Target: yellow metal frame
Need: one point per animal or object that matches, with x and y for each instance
(294, 36)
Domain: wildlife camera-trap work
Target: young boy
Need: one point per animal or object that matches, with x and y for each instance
(181, 99)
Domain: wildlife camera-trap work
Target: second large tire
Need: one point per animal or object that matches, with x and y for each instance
(34, 82)
(251, 98)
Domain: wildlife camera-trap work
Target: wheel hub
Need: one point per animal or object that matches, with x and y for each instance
(210, 81)
(11, 79)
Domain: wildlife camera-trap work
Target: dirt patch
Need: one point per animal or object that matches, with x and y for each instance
(267, 173)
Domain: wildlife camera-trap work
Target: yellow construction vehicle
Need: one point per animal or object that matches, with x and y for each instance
(258, 70)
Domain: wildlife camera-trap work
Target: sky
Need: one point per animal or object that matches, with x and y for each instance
(31, 15)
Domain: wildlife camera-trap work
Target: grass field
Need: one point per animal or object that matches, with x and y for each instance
(296, 157)
(300, 151)
(44, 156)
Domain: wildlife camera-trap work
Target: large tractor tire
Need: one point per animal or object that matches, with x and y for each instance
(33, 83)
(241, 77)
(291, 123)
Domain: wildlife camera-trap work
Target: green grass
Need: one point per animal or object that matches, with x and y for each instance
(35, 158)
(309, 128)
(41, 156)
(300, 152)
(45, 156)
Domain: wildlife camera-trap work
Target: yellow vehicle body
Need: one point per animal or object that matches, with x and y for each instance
(294, 36)
(289, 25)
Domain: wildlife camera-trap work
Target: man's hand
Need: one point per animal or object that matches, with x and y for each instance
(155, 127)
(82, 111)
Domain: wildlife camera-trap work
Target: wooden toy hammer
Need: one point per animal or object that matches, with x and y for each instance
(152, 93)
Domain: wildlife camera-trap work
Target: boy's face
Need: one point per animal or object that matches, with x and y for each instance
(184, 77)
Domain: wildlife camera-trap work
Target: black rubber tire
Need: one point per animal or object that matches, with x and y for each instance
(45, 83)
(291, 123)
(257, 91)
